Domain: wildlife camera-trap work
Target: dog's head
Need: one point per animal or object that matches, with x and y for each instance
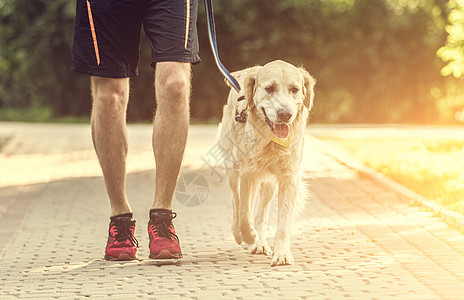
(279, 90)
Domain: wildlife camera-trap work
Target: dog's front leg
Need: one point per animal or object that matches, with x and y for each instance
(262, 214)
(287, 197)
(248, 189)
(233, 178)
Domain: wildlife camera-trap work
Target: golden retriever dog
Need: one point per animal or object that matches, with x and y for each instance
(262, 134)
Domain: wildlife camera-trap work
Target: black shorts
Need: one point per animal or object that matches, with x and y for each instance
(107, 34)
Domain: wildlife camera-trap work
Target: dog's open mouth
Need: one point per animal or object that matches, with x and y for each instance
(281, 130)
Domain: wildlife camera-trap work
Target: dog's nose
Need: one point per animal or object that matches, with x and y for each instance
(283, 115)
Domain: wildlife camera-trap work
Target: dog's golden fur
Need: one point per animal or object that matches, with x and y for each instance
(260, 164)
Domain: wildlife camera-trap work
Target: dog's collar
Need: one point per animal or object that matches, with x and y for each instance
(241, 116)
(286, 142)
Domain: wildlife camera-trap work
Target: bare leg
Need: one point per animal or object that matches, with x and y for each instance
(172, 85)
(108, 123)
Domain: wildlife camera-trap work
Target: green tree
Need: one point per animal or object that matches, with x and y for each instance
(35, 47)
(453, 51)
(374, 60)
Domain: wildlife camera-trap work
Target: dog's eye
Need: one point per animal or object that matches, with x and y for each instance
(270, 89)
(294, 90)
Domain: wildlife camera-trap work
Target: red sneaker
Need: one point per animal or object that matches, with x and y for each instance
(122, 244)
(164, 243)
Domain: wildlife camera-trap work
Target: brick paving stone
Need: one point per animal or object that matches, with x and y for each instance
(355, 238)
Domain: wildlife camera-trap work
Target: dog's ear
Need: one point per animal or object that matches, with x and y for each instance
(308, 88)
(242, 74)
(249, 89)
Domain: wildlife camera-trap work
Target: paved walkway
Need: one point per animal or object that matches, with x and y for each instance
(356, 239)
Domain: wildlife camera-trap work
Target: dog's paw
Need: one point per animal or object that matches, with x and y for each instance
(248, 235)
(261, 249)
(237, 236)
(282, 257)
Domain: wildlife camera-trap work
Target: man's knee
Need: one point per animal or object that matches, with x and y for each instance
(173, 84)
(176, 87)
(110, 94)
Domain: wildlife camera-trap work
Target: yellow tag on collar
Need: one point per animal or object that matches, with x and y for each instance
(283, 142)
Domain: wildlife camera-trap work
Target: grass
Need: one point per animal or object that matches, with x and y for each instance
(433, 168)
(36, 114)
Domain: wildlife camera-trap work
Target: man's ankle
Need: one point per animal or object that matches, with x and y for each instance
(125, 215)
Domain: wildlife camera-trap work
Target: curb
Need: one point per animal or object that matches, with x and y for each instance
(451, 218)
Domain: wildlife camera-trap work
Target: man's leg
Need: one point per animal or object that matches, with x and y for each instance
(108, 122)
(172, 84)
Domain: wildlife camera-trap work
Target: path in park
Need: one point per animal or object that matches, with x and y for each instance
(356, 239)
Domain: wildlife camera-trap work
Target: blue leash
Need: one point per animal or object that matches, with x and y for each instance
(212, 41)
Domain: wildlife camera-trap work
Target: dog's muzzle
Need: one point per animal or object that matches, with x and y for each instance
(281, 130)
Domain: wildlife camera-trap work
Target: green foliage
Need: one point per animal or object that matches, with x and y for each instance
(35, 47)
(453, 51)
(374, 60)
(29, 114)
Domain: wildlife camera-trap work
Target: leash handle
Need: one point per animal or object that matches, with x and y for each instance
(212, 41)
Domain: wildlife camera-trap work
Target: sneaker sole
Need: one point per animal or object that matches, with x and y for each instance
(165, 254)
(120, 258)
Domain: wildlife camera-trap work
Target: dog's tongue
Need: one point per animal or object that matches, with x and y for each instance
(281, 130)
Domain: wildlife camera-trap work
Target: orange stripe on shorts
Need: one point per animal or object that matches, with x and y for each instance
(187, 24)
(94, 34)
